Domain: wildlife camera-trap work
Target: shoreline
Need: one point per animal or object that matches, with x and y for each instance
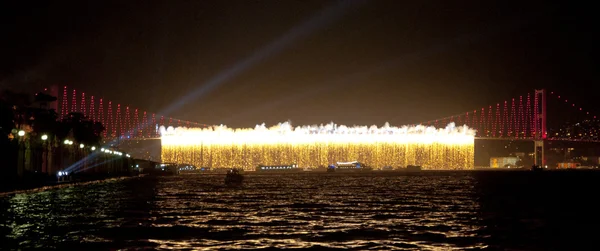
(433, 171)
(65, 184)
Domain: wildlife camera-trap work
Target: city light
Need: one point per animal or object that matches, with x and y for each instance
(81, 145)
(93, 148)
(315, 146)
(21, 133)
(44, 137)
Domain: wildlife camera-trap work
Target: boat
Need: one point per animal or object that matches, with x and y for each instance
(331, 168)
(187, 169)
(536, 168)
(412, 168)
(163, 169)
(279, 168)
(387, 168)
(234, 177)
(353, 166)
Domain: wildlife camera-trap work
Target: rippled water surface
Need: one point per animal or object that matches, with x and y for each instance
(377, 211)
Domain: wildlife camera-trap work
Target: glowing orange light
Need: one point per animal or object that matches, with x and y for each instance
(312, 146)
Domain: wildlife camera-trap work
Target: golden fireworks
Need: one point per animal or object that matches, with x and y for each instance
(314, 146)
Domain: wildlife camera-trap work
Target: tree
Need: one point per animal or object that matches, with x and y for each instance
(8, 111)
(18, 103)
(7, 123)
(82, 129)
(44, 121)
(17, 112)
(44, 99)
(18, 99)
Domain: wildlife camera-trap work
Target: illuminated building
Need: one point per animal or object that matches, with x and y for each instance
(318, 146)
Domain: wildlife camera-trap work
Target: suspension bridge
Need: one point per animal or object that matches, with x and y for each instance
(521, 118)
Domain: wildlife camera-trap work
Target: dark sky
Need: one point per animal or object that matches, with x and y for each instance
(357, 63)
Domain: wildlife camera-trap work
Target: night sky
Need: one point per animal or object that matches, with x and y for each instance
(242, 63)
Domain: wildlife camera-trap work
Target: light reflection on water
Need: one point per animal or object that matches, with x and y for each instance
(376, 211)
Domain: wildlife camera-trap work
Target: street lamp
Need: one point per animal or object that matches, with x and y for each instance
(22, 150)
(93, 148)
(45, 154)
(81, 146)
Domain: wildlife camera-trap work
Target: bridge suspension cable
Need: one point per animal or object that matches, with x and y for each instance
(516, 118)
(116, 118)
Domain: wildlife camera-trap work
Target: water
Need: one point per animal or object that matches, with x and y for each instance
(378, 211)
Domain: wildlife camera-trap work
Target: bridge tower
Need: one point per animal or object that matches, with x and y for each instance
(540, 127)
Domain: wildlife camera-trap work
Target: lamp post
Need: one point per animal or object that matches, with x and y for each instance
(21, 144)
(68, 154)
(83, 156)
(45, 153)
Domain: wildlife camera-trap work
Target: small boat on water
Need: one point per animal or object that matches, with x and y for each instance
(234, 177)
(330, 168)
(536, 168)
(413, 168)
(352, 166)
(279, 168)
